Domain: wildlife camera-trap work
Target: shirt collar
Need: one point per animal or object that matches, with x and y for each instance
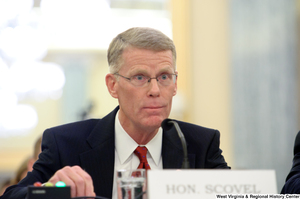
(125, 145)
(154, 147)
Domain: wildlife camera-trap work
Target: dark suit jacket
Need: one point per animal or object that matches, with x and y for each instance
(91, 145)
(292, 183)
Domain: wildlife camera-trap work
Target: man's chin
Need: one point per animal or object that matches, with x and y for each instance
(153, 121)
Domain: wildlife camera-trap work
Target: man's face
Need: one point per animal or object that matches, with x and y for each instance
(147, 106)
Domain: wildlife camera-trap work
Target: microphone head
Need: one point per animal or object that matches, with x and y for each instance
(167, 124)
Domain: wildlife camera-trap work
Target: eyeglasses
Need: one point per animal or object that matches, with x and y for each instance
(165, 79)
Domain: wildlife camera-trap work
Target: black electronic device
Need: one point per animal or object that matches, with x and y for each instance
(44, 192)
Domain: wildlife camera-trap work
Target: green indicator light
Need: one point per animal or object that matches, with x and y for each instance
(60, 184)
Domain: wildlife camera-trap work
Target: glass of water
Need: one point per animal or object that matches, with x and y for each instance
(131, 184)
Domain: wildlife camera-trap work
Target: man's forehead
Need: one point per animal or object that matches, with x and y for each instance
(138, 49)
(146, 54)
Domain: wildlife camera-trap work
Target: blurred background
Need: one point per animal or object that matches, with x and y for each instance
(238, 71)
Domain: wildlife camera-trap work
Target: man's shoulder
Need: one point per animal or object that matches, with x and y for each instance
(195, 128)
(194, 132)
(79, 125)
(74, 130)
(297, 144)
(86, 125)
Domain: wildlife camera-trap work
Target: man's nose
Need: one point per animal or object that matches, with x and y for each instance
(154, 89)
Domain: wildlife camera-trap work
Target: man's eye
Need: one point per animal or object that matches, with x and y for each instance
(139, 77)
(164, 76)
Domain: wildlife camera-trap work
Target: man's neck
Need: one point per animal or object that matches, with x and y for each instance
(142, 138)
(140, 134)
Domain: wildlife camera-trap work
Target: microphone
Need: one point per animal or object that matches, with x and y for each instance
(167, 124)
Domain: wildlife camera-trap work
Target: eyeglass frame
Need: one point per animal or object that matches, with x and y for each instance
(149, 78)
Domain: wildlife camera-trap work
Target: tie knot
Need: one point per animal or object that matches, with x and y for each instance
(141, 153)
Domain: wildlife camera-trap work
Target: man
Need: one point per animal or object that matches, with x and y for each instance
(85, 155)
(27, 164)
(36, 152)
(292, 184)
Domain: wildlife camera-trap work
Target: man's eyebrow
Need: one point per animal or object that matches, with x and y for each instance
(137, 71)
(146, 72)
(167, 70)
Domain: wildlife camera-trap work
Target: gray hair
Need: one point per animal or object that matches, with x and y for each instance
(138, 37)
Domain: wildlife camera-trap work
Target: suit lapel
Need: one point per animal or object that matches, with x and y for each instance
(172, 152)
(99, 160)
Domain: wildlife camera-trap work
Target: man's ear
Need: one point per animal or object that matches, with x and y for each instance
(111, 83)
(175, 89)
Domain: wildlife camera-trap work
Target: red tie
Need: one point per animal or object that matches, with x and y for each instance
(141, 153)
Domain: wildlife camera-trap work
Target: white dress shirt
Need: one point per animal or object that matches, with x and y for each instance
(124, 148)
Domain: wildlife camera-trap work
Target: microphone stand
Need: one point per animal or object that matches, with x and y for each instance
(185, 163)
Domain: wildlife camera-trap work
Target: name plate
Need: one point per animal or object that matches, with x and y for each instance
(195, 183)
